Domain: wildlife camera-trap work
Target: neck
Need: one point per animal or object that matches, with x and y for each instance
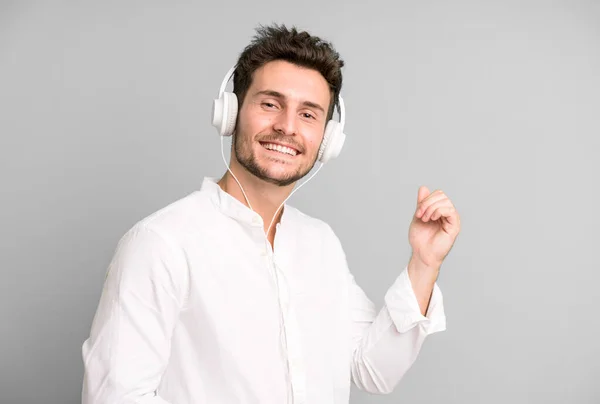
(264, 197)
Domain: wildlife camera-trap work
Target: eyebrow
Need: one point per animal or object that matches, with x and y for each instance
(277, 94)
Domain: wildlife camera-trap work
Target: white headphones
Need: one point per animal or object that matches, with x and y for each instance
(224, 115)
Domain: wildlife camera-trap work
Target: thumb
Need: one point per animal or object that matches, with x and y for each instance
(423, 193)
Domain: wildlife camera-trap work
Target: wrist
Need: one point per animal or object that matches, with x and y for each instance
(425, 266)
(420, 270)
(422, 277)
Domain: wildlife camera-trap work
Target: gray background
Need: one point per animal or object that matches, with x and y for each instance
(104, 119)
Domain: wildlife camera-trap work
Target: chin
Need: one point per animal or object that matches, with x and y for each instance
(280, 177)
(270, 167)
(283, 175)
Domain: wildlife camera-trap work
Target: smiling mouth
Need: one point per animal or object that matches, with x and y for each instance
(280, 149)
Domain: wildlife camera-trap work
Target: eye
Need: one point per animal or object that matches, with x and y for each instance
(308, 115)
(269, 105)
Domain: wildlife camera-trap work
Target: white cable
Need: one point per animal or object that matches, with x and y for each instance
(246, 197)
(292, 193)
(234, 177)
(282, 335)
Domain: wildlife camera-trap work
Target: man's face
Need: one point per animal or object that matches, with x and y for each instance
(281, 122)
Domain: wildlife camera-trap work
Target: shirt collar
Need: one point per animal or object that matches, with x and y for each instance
(231, 206)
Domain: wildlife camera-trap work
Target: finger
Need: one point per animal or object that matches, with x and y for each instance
(451, 222)
(443, 211)
(430, 200)
(422, 194)
(428, 214)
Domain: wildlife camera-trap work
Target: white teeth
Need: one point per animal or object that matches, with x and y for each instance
(281, 149)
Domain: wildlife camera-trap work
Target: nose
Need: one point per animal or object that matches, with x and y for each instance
(285, 123)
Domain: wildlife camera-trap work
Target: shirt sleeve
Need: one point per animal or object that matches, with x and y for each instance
(129, 343)
(385, 344)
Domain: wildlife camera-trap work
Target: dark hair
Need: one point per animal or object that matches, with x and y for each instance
(277, 42)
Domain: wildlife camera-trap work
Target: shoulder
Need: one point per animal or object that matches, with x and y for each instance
(155, 241)
(180, 217)
(161, 235)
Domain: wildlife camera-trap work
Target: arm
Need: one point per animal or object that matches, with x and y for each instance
(129, 344)
(386, 344)
(422, 279)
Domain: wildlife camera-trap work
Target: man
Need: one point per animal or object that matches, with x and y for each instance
(205, 302)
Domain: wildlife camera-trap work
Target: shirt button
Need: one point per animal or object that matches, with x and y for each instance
(256, 220)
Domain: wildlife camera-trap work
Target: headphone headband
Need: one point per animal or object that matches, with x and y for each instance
(226, 80)
(224, 116)
(229, 75)
(342, 111)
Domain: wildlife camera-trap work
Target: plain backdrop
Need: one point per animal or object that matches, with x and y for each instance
(105, 118)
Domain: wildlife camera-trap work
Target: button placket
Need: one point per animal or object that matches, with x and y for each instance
(281, 299)
(293, 345)
(297, 368)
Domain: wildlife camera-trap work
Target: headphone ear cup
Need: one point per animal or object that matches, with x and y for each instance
(224, 113)
(333, 141)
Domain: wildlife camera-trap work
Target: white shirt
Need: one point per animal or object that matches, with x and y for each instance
(197, 308)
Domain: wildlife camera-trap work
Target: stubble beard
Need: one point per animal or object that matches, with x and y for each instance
(247, 159)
